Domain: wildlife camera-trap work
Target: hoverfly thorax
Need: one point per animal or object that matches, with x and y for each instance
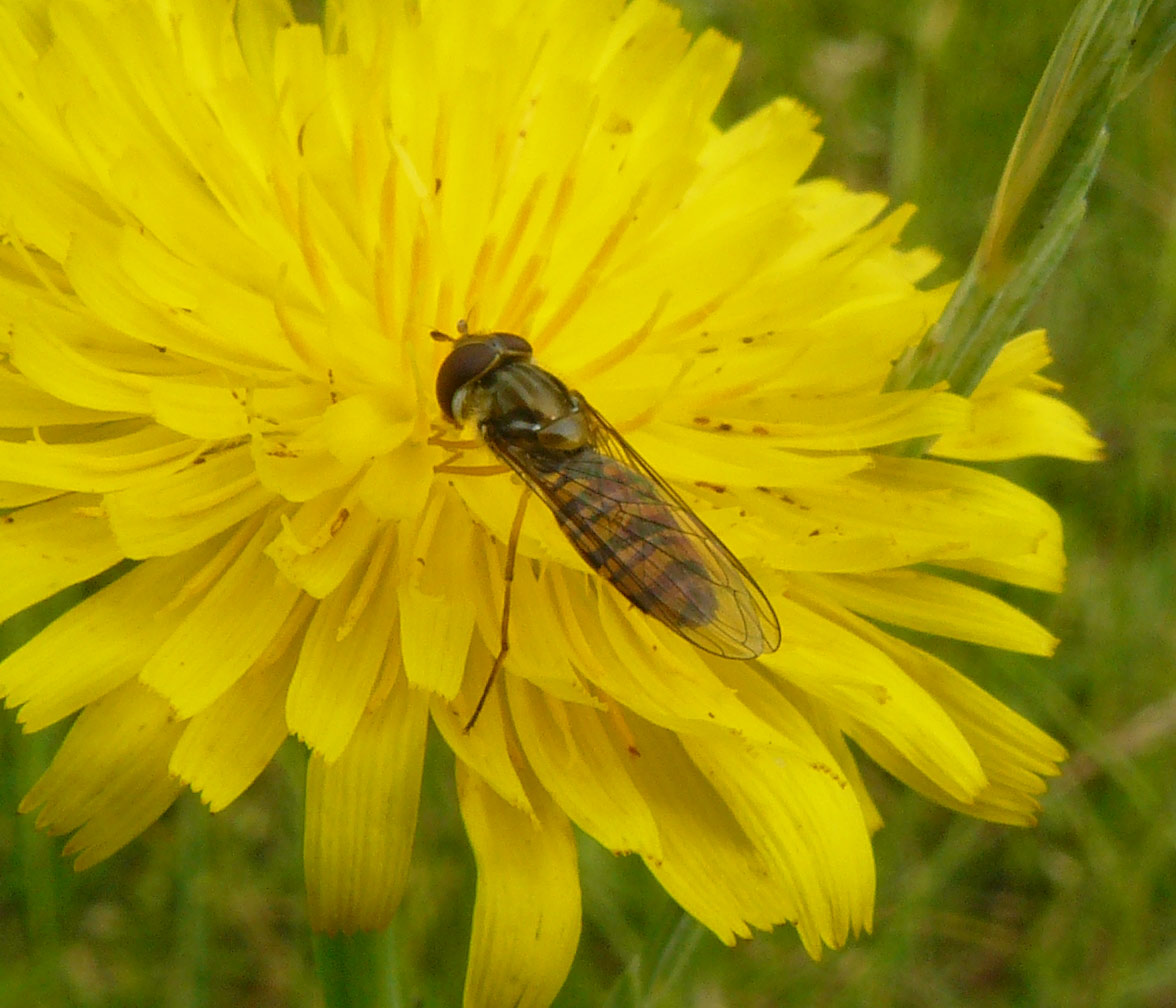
(490, 380)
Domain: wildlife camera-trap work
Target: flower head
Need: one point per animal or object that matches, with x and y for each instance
(227, 238)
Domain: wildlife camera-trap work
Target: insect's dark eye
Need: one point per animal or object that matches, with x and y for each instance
(465, 363)
(510, 345)
(472, 358)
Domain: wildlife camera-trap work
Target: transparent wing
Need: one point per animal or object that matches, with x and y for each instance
(633, 529)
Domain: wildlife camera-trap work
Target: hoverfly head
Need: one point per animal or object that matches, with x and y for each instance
(474, 356)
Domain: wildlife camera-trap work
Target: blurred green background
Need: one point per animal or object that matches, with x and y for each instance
(920, 99)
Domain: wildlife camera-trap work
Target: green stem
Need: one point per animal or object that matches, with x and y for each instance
(193, 926)
(1042, 195)
(356, 971)
(46, 898)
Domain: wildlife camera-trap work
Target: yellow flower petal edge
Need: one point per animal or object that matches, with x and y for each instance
(527, 907)
(113, 759)
(361, 815)
(1016, 413)
(225, 240)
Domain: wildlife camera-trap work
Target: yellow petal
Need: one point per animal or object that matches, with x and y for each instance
(826, 659)
(527, 904)
(536, 619)
(97, 275)
(361, 812)
(1018, 423)
(682, 453)
(809, 826)
(23, 404)
(299, 466)
(576, 755)
(1012, 415)
(947, 514)
(436, 622)
(49, 546)
(214, 493)
(767, 151)
(936, 605)
(99, 466)
(823, 722)
(225, 631)
(396, 486)
(435, 639)
(226, 745)
(799, 808)
(1018, 362)
(485, 748)
(98, 644)
(322, 541)
(1015, 754)
(351, 637)
(18, 495)
(200, 411)
(707, 862)
(109, 780)
(831, 423)
(654, 673)
(363, 427)
(48, 356)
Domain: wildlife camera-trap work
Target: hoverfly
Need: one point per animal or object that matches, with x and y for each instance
(627, 523)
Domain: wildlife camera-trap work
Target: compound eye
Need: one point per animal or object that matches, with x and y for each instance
(466, 362)
(511, 345)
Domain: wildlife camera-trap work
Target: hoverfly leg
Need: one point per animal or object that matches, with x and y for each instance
(468, 471)
(456, 449)
(447, 466)
(512, 550)
(454, 444)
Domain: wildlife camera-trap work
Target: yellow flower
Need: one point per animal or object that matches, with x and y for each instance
(227, 237)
